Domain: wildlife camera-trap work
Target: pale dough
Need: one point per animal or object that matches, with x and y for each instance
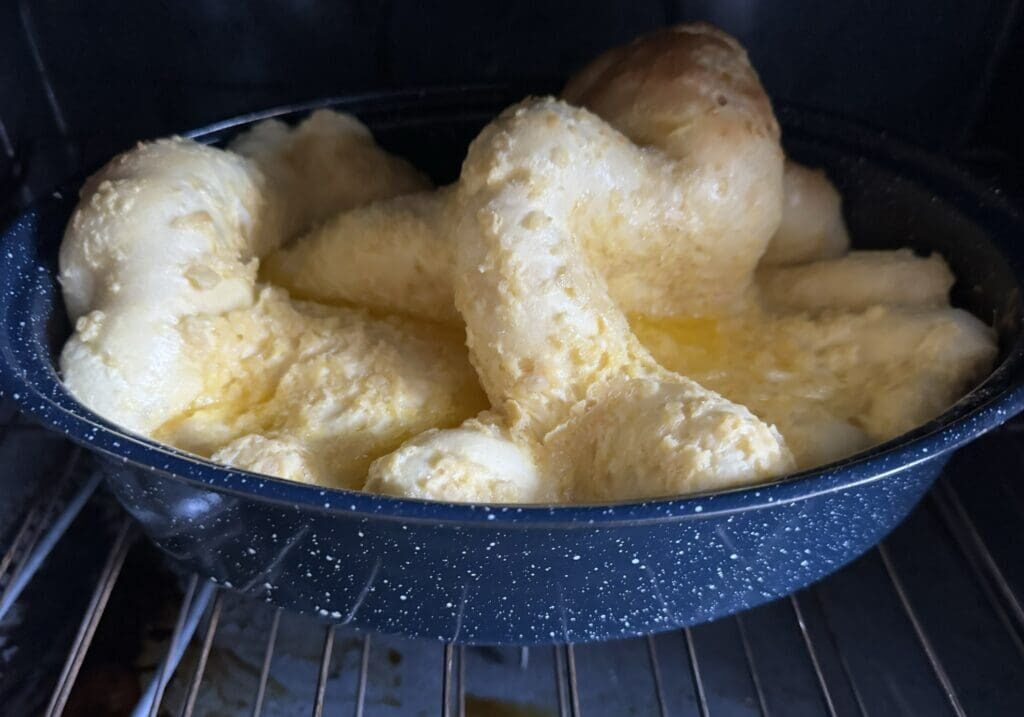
(755, 341)
(176, 339)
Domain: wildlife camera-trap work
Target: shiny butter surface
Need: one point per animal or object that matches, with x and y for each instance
(521, 379)
(833, 383)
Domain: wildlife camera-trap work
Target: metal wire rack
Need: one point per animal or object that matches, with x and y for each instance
(931, 622)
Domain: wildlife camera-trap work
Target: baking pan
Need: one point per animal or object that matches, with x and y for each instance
(538, 574)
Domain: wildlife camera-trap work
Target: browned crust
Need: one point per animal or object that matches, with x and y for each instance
(672, 78)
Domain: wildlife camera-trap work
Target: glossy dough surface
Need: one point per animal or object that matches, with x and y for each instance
(628, 293)
(719, 156)
(175, 337)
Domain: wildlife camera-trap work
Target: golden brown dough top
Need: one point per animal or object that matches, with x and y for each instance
(671, 78)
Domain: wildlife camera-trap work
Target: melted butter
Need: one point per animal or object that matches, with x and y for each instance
(341, 386)
(683, 343)
(771, 366)
(833, 383)
(739, 355)
(750, 342)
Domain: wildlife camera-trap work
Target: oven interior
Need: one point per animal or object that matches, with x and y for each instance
(93, 620)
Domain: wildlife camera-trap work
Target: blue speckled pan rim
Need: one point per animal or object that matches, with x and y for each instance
(994, 401)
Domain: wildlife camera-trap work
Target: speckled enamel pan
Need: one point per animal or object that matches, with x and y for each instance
(533, 574)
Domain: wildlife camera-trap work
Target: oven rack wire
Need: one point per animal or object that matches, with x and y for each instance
(839, 689)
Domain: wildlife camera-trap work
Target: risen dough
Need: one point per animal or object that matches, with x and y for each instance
(391, 255)
(552, 350)
(282, 457)
(176, 339)
(665, 89)
(161, 232)
(558, 225)
(812, 219)
(327, 164)
(836, 382)
(345, 386)
(711, 117)
(475, 463)
(688, 90)
(859, 280)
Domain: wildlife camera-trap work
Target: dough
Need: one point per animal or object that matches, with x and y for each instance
(666, 90)
(176, 339)
(857, 281)
(756, 341)
(812, 219)
(559, 363)
(836, 382)
(715, 124)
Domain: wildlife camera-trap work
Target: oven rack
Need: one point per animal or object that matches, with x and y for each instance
(930, 622)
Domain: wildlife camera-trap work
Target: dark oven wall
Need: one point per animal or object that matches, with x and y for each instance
(83, 80)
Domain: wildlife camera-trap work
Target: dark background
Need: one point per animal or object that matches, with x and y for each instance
(81, 80)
